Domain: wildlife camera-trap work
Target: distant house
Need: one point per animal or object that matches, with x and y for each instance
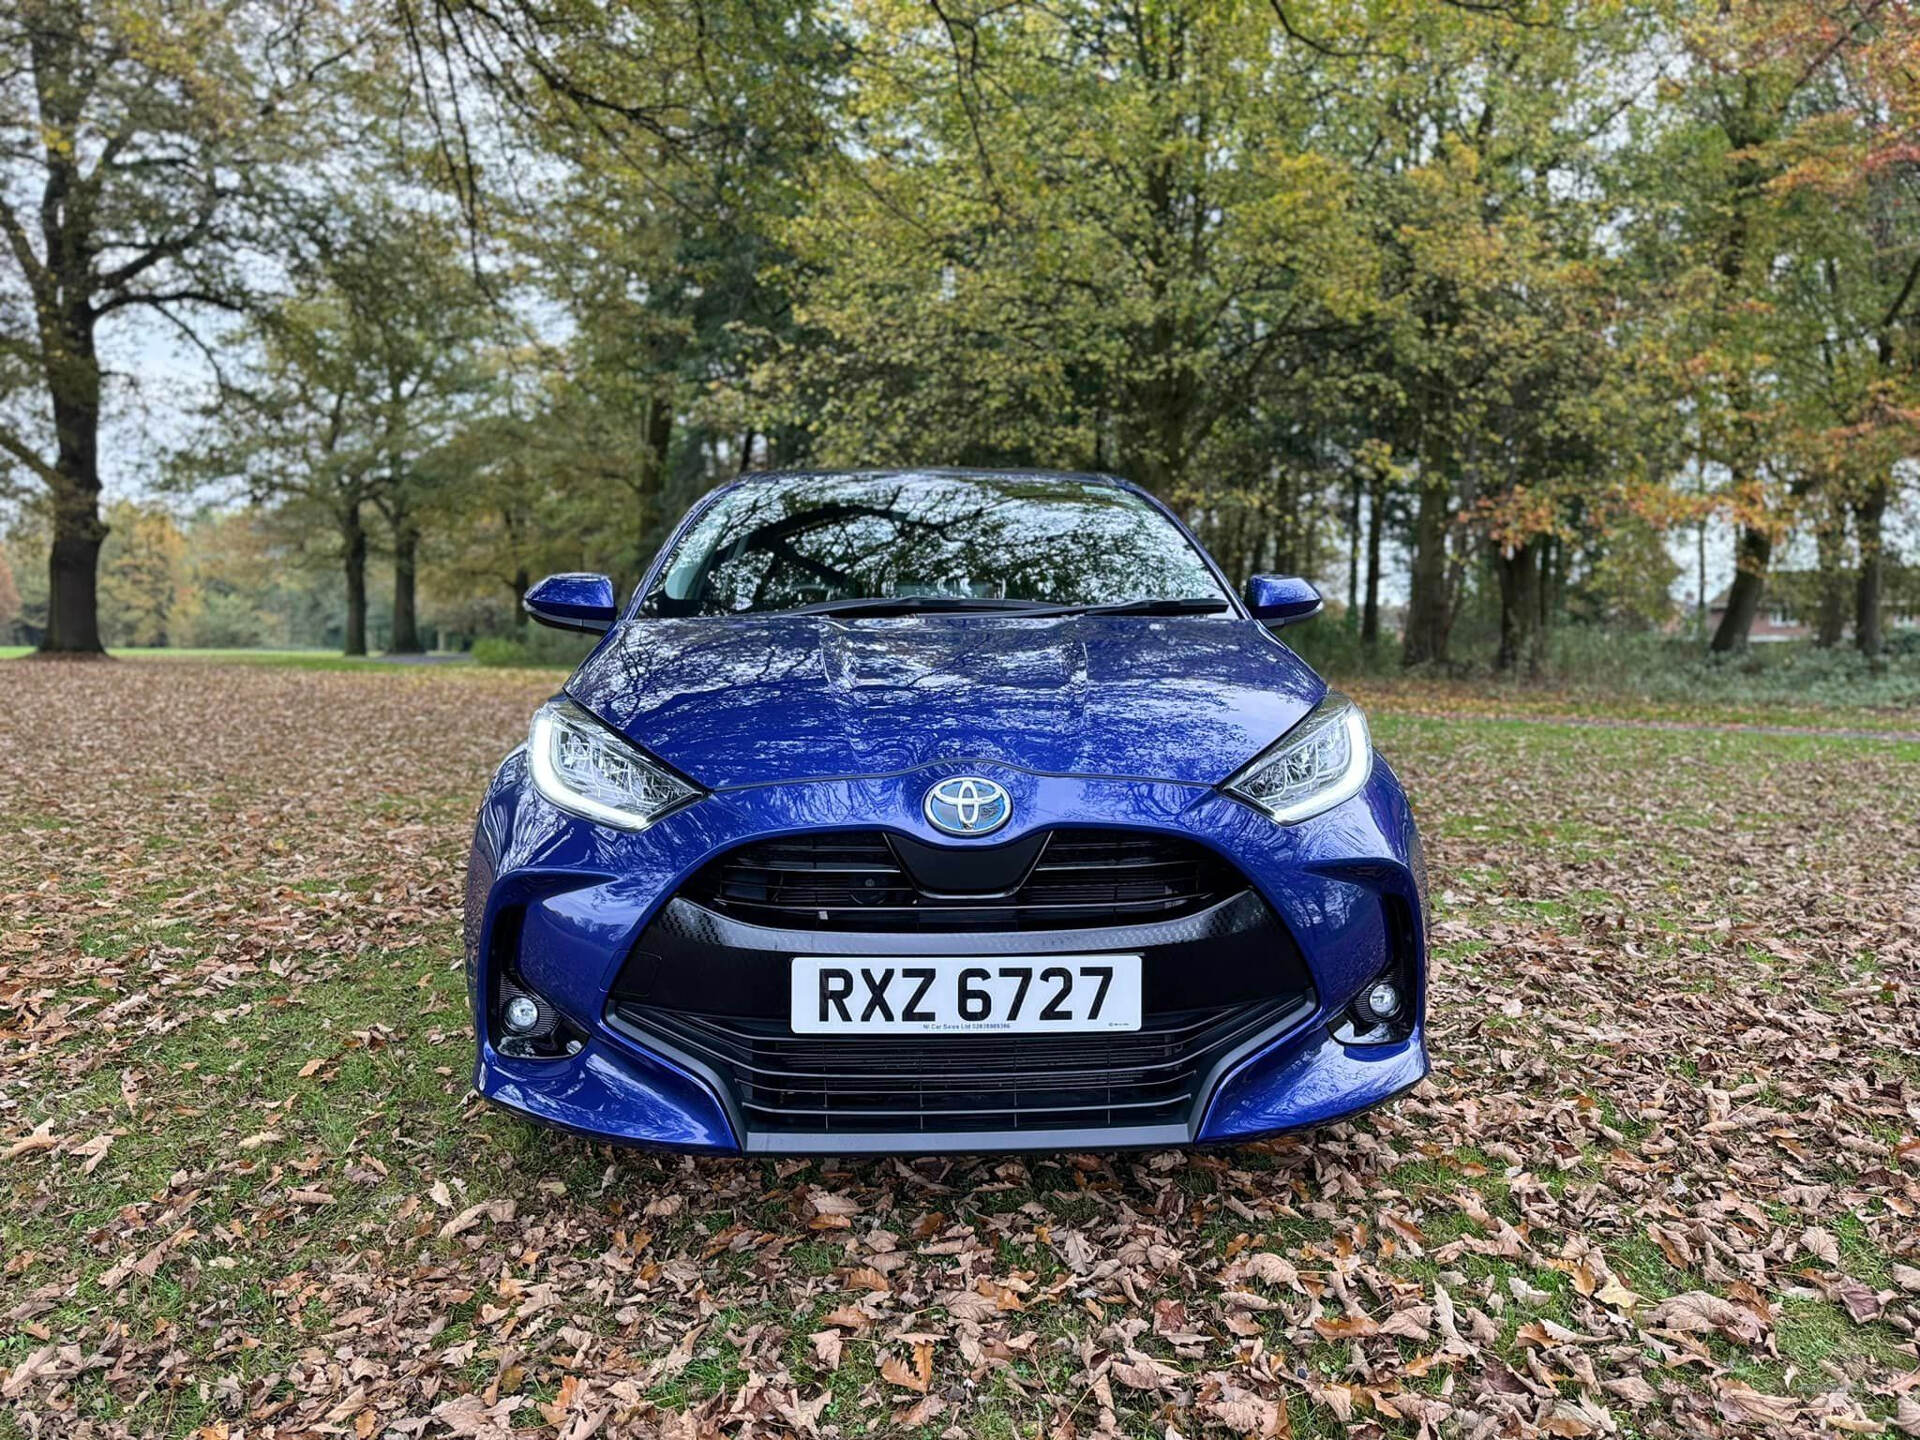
(1790, 604)
(1773, 621)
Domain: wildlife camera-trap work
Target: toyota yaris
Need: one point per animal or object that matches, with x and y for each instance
(941, 810)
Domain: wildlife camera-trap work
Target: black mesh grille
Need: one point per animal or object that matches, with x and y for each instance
(801, 1084)
(859, 881)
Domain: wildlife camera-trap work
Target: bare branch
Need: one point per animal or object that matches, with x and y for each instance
(29, 263)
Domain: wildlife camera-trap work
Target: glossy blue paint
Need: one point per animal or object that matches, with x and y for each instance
(762, 699)
(1309, 1080)
(610, 1092)
(800, 723)
(573, 601)
(1282, 599)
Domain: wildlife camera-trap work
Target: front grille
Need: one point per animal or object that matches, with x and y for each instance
(788, 1084)
(867, 881)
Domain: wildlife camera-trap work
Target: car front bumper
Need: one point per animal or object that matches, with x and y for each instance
(565, 903)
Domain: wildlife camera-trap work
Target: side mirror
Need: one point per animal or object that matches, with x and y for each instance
(573, 602)
(1282, 599)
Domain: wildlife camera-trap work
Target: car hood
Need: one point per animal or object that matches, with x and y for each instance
(749, 700)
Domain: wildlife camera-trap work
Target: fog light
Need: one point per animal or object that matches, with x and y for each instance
(521, 1014)
(1383, 1000)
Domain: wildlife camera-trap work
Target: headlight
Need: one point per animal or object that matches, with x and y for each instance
(582, 766)
(1323, 760)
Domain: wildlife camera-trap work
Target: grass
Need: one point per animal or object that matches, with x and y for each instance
(229, 945)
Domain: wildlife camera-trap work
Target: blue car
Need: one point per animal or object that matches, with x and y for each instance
(942, 810)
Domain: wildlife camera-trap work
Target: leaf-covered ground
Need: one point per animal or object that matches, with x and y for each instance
(1664, 1180)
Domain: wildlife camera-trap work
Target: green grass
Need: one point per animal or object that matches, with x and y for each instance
(1553, 844)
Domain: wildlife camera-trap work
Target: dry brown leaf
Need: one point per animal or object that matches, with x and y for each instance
(1346, 1327)
(826, 1347)
(1821, 1245)
(915, 1376)
(1742, 1404)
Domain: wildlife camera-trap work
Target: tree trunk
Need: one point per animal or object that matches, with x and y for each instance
(1700, 581)
(1429, 607)
(1869, 517)
(651, 482)
(1549, 551)
(353, 536)
(1376, 520)
(521, 580)
(406, 551)
(1353, 552)
(1830, 535)
(73, 609)
(1743, 599)
(1519, 572)
(1747, 127)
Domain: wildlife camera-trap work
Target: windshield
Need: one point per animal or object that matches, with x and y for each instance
(1008, 538)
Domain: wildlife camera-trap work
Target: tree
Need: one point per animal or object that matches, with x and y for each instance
(366, 372)
(1487, 353)
(9, 598)
(137, 141)
(1848, 281)
(1081, 234)
(1263, 258)
(144, 585)
(1768, 195)
(674, 179)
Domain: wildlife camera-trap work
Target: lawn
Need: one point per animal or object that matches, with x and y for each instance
(1664, 1180)
(305, 659)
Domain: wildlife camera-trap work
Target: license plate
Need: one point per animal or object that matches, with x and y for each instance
(894, 994)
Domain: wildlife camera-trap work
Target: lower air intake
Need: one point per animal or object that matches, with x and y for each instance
(792, 1084)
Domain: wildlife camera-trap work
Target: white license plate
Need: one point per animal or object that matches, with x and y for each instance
(916, 994)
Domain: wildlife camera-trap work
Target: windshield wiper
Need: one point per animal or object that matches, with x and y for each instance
(916, 605)
(1156, 605)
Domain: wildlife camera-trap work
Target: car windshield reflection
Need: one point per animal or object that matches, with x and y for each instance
(929, 542)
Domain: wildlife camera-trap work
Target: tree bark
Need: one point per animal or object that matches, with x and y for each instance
(1743, 599)
(1553, 588)
(1830, 536)
(73, 577)
(1376, 520)
(650, 484)
(353, 536)
(1518, 568)
(406, 551)
(1429, 606)
(521, 580)
(1869, 517)
(1700, 580)
(1747, 126)
(73, 376)
(1353, 551)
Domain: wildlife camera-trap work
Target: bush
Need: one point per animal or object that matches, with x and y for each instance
(1666, 667)
(543, 649)
(1331, 648)
(225, 622)
(1649, 666)
(498, 650)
